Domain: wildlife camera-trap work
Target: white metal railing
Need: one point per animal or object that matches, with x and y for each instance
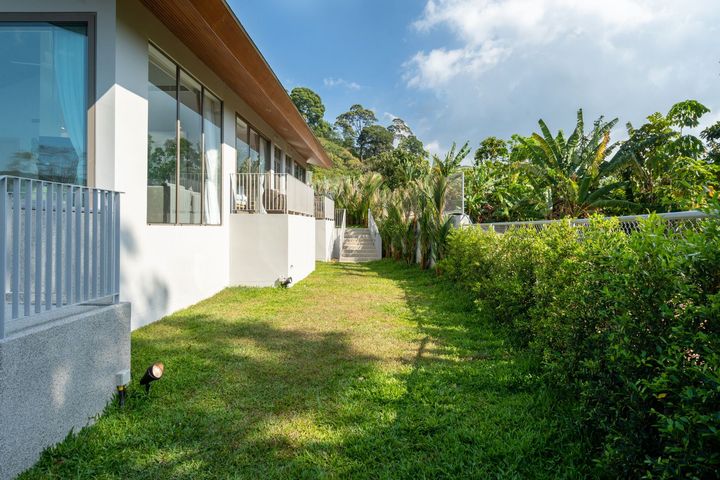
(59, 247)
(627, 223)
(340, 218)
(340, 224)
(270, 193)
(375, 234)
(324, 207)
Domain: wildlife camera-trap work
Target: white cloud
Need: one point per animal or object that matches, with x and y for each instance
(434, 69)
(434, 148)
(503, 64)
(331, 82)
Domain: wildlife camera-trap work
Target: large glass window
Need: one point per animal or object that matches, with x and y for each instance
(242, 146)
(265, 154)
(184, 184)
(299, 172)
(162, 136)
(252, 149)
(255, 166)
(289, 165)
(277, 159)
(191, 124)
(44, 94)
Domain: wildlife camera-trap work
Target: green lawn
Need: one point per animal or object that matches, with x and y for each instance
(374, 370)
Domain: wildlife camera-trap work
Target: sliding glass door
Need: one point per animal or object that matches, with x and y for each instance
(44, 93)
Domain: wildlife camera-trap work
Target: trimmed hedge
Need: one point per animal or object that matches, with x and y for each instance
(628, 323)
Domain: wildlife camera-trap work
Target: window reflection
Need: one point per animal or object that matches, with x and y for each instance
(242, 147)
(277, 165)
(44, 92)
(184, 185)
(189, 192)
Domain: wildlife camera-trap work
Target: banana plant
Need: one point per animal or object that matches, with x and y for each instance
(575, 170)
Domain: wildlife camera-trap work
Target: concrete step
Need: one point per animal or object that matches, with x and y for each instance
(358, 246)
(357, 259)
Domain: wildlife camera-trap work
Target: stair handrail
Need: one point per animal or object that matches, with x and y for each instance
(375, 234)
(340, 218)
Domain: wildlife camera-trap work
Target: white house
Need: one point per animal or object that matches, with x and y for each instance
(101, 93)
(148, 156)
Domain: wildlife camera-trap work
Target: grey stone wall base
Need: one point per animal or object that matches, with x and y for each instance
(58, 377)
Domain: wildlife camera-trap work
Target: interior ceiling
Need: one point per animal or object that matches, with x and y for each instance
(211, 30)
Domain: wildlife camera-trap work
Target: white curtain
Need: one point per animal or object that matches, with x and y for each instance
(70, 62)
(212, 181)
(212, 156)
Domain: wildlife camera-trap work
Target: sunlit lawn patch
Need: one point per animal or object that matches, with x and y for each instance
(365, 371)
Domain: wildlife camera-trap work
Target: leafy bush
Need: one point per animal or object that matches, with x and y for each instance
(628, 323)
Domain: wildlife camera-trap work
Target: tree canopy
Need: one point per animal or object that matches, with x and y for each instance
(309, 104)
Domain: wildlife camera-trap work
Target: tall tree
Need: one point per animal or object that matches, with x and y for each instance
(309, 104)
(712, 136)
(668, 169)
(491, 149)
(400, 130)
(414, 146)
(373, 140)
(352, 122)
(399, 167)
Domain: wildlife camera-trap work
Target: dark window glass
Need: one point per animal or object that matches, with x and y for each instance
(242, 146)
(289, 165)
(265, 154)
(255, 166)
(277, 165)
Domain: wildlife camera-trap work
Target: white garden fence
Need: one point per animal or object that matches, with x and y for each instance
(628, 223)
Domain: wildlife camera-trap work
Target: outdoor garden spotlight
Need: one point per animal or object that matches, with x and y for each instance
(122, 379)
(154, 372)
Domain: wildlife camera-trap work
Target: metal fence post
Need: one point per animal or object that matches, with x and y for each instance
(3, 252)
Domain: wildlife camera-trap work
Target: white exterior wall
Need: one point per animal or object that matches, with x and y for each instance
(301, 237)
(259, 251)
(266, 248)
(325, 236)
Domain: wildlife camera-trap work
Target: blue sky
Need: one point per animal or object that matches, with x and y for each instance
(459, 70)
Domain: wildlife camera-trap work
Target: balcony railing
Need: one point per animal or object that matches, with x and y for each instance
(59, 247)
(324, 207)
(270, 193)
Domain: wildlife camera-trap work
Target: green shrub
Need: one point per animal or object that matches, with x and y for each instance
(630, 324)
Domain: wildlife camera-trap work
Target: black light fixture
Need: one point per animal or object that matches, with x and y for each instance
(154, 372)
(122, 379)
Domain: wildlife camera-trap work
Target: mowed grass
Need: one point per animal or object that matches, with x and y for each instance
(373, 371)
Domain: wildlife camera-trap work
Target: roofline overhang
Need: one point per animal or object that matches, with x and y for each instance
(212, 31)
